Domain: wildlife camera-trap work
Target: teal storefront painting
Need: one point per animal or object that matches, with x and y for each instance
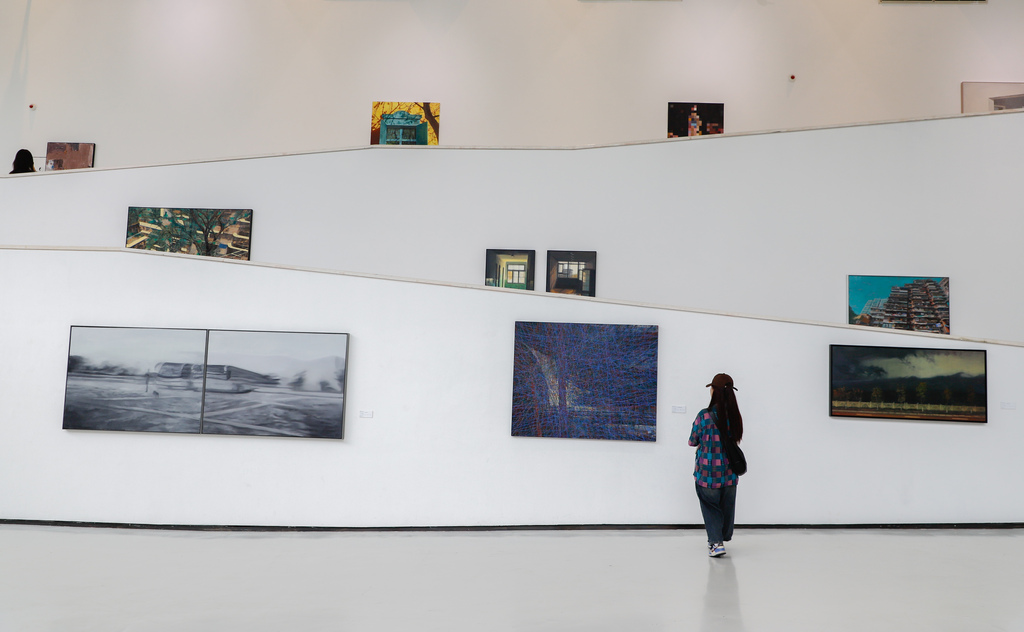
(402, 128)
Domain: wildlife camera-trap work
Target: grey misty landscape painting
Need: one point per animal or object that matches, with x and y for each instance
(114, 379)
(275, 383)
(231, 382)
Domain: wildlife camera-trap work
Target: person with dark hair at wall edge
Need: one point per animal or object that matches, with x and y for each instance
(23, 162)
(715, 481)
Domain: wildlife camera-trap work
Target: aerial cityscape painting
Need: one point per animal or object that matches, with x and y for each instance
(585, 381)
(221, 233)
(908, 383)
(893, 302)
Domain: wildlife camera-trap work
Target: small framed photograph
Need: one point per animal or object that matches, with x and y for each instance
(509, 268)
(695, 119)
(572, 272)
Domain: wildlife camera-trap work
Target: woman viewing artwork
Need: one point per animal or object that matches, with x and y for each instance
(715, 480)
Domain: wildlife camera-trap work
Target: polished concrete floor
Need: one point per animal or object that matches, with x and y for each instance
(86, 579)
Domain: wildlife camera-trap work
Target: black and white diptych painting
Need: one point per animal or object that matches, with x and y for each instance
(206, 381)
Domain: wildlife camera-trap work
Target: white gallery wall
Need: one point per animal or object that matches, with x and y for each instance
(767, 225)
(434, 365)
(160, 81)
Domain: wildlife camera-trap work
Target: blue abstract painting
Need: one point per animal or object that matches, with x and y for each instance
(585, 381)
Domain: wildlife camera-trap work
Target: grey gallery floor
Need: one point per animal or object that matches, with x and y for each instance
(85, 579)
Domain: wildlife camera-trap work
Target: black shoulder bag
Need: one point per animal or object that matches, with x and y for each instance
(737, 461)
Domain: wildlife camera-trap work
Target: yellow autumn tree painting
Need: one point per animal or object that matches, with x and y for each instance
(405, 123)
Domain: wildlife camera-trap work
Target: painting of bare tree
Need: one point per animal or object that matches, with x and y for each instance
(221, 233)
(405, 123)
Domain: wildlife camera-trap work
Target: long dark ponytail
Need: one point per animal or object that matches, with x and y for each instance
(727, 410)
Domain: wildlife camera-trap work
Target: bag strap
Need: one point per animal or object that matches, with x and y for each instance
(723, 434)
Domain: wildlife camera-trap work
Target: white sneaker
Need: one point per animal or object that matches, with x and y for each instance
(716, 549)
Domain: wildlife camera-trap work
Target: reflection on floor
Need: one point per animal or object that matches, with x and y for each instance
(57, 579)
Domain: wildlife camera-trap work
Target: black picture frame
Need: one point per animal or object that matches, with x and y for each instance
(509, 268)
(908, 383)
(695, 119)
(572, 272)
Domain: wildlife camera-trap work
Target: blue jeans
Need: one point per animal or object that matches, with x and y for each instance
(718, 506)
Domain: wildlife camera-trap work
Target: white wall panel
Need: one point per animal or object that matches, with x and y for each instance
(768, 225)
(434, 363)
(161, 81)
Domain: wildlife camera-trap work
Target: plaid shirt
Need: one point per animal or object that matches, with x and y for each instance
(711, 467)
